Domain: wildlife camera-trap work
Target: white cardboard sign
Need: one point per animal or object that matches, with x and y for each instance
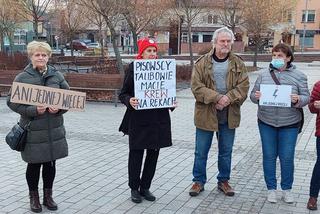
(46, 96)
(155, 83)
(275, 95)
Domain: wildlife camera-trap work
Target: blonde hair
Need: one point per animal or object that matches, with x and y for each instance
(38, 46)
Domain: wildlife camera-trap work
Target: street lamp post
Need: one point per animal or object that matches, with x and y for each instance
(293, 33)
(179, 35)
(51, 39)
(304, 27)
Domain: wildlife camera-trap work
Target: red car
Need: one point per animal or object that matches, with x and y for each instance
(77, 45)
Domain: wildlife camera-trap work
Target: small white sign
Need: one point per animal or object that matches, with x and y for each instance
(275, 95)
(155, 83)
(56, 37)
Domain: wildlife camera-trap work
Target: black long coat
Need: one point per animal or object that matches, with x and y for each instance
(147, 129)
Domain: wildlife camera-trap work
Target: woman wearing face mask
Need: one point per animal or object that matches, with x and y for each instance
(279, 126)
(148, 130)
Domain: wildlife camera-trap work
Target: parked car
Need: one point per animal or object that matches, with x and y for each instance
(86, 41)
(77, 45)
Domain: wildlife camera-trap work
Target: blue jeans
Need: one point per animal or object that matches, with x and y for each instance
(278, 142)
(203, 144)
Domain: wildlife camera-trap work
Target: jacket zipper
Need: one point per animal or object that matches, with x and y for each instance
(277, 110)
(43, 82)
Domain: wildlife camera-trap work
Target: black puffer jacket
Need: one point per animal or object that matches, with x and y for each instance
(46, 134)
(147, 129)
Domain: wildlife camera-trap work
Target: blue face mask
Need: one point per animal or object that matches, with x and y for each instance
(278, 63)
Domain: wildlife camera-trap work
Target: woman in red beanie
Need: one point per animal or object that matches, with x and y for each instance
(314, 107)
(148, 129)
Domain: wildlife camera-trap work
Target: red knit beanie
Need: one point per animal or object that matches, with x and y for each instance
(144, 43)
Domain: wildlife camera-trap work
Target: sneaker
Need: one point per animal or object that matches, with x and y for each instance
(312, 203)
(288, 196)
(147, 195)
(225, 188)
(135, 196)
(196, 189)
(272, 196)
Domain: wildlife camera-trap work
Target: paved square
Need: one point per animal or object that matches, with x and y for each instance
(93, 178)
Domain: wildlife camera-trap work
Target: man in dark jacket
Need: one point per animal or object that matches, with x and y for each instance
(220, 85)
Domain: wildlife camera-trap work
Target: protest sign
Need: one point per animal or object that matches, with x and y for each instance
(46, 96)
(155, 83)
(275, 95)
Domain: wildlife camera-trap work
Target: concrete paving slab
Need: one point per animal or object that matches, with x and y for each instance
(93, 178)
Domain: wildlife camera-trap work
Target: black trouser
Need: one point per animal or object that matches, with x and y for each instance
(315, 179)
(33, 174)
(149, 168)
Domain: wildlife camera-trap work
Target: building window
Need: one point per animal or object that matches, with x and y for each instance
(195, 38)
(286, 15)
(19, 37)
(207, 38)
(309, 38)
(212, 19)
(308, 41)
(184, 38)
(308, 16)
(289, 16)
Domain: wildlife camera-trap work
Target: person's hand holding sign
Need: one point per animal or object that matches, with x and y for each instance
(53, 110)
(257, 95)
(41, 109)
(134, 102)
(295, 98)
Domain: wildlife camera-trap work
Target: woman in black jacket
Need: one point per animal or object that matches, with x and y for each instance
(148, 129)
(46, 140)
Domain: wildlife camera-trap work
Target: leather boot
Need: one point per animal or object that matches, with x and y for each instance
(147, 195)
(48, 201)
(135, 196)
(312, 203)
(35, 205)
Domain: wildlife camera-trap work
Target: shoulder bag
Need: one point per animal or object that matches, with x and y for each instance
(17, 137)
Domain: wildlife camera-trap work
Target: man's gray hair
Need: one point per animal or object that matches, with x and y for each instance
(222, 30)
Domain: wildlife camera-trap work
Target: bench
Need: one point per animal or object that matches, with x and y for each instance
(4, 86)
(70, 66)
(115, 90)
(3, 66)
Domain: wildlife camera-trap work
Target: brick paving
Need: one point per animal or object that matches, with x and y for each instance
(93, 178)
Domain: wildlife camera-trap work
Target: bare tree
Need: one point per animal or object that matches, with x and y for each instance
(110, 10)
(189, 11)
(259, 17)
(73, 20)
(231, 13)
(140, 13)
(9, 20)
(33, 10)
(97, 20)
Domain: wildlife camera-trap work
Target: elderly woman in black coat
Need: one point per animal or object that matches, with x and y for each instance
(148, 129)
(46, 140)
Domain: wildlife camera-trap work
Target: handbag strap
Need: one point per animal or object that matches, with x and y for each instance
(274, 77)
